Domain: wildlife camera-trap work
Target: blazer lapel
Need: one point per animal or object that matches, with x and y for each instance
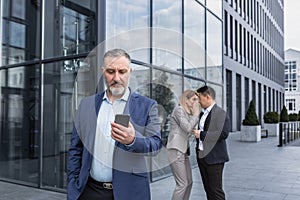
(207, 121)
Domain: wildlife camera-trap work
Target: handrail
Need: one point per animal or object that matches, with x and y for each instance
(288, 132)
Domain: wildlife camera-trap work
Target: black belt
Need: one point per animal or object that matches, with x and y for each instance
(105, 185)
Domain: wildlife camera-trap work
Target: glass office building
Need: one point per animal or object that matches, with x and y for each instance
(51, 56)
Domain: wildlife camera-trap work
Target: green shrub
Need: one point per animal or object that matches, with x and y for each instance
(293, 117)
(251, 116)
(271, 117)
(284, 117)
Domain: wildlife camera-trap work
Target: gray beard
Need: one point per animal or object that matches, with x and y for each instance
(117, 91)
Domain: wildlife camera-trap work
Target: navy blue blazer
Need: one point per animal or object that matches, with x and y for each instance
(130, 175)
(214, 135)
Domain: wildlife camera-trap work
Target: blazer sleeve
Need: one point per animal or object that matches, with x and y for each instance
(184, 121)
(218, 126)
(75, 150)
(147, 128)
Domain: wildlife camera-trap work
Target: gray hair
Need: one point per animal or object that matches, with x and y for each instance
(114, 53)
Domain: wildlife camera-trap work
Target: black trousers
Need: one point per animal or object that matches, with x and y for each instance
(212, 176)
(94, 190)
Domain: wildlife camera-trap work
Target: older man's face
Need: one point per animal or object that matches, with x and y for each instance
(116, 72)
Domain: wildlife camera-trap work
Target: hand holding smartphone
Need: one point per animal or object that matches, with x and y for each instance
(122, 119)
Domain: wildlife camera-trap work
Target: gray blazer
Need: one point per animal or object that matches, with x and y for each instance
(182, 125)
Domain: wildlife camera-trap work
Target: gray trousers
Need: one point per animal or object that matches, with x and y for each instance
(182, 172)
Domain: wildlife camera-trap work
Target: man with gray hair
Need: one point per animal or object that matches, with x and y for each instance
(107, 159)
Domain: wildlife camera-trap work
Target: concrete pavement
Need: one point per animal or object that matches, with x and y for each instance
(256, 171)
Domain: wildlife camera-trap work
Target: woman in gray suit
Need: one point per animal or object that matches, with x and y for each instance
(184, 119)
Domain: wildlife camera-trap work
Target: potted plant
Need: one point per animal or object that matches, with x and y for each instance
(251, 129)
(271, 120)
(284, 117)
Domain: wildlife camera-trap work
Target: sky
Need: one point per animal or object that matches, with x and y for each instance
(292, 24)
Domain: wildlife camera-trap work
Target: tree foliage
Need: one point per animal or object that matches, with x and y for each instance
(251, 118)
(284, 117)
(271, 117)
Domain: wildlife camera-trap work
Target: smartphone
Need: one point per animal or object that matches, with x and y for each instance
(122, 119)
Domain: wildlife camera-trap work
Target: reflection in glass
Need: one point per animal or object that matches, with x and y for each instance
(17, 33)
(219, 94)
(167, 45)
(165, 90)
(63, 90)
(192, 84)
(19, 123)
(215, 6)
(75, 32)
(194, 41)
(18, 8)
(140, 79)
(123, 17)
(20, 31)
(58, 123)
(214, 49)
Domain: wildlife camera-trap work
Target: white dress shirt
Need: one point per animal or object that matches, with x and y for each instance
(202, 122)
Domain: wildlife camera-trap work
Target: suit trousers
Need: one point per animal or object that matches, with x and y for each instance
(211, 175)
(181, 169)
(94, 190)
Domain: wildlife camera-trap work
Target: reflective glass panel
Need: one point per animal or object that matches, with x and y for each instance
(140, 79)
(214, 49)
(63, 88)
(167, 37)
(20, 31)
(166, 89)
(194, 40)
(192, 84)
(19, 124)
(70, 27)
(127, 27)
(215, 6)
(219, 94)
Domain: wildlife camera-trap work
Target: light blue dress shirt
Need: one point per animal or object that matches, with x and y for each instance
(101, 169)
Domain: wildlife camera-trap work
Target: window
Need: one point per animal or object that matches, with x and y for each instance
(290, 104)
(166, 44)
(20, 31)
(69, 27)
(290, 72)
(194, 40)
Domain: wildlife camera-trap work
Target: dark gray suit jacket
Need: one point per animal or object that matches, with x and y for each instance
(216, 131)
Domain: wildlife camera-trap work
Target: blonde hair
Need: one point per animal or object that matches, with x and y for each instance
(187, 94)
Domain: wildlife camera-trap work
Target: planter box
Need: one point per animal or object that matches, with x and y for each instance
(250, 133)
(273, 129)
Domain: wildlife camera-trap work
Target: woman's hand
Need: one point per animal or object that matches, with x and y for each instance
(196, 133)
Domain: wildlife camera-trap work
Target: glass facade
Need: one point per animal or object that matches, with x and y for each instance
(51, 52)
(20, 32)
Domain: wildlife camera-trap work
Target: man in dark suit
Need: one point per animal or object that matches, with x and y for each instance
(211, 150)
(106, 159)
